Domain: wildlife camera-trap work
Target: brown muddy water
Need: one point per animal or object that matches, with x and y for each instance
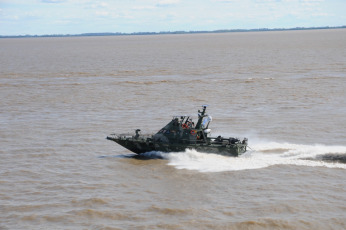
(60, 98)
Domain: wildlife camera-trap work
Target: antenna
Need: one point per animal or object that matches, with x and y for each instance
(204, 108)
(200, 116)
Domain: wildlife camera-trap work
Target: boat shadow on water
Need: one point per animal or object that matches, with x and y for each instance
(144, 156)
(337, 158)
(330, 157)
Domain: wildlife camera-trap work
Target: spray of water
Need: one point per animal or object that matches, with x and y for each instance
(264, 154)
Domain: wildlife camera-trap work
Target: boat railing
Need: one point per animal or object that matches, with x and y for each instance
(127, 136)
(122, 136)
(225, 141)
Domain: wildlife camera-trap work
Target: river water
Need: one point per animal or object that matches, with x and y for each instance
(284, 91)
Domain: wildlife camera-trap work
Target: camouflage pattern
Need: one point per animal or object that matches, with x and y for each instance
(180, 134)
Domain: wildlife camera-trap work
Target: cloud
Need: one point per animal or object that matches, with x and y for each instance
(75, 16)
(320, 14)
(102, 13)
(144, 7)
(167, 2)
(99, 5)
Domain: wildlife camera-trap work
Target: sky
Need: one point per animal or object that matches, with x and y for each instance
(39, 17)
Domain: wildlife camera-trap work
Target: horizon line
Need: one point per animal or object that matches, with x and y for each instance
(173, 32)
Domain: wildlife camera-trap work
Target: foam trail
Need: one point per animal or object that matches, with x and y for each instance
(264, 155)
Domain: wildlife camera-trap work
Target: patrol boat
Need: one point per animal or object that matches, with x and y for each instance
(180, 134)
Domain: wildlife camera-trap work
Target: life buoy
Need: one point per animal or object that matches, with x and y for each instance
(185, 126)
(193, 132)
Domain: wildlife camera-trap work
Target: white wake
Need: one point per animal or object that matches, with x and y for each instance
(263, 155)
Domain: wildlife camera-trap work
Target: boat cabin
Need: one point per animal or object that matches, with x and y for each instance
(182, 129)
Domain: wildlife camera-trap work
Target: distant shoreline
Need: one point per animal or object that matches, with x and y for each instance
(171, 32)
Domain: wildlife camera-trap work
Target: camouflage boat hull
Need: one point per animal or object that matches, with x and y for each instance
(180, 134)
(141, 145)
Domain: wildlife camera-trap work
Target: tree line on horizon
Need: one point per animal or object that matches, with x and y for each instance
(172, 32)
